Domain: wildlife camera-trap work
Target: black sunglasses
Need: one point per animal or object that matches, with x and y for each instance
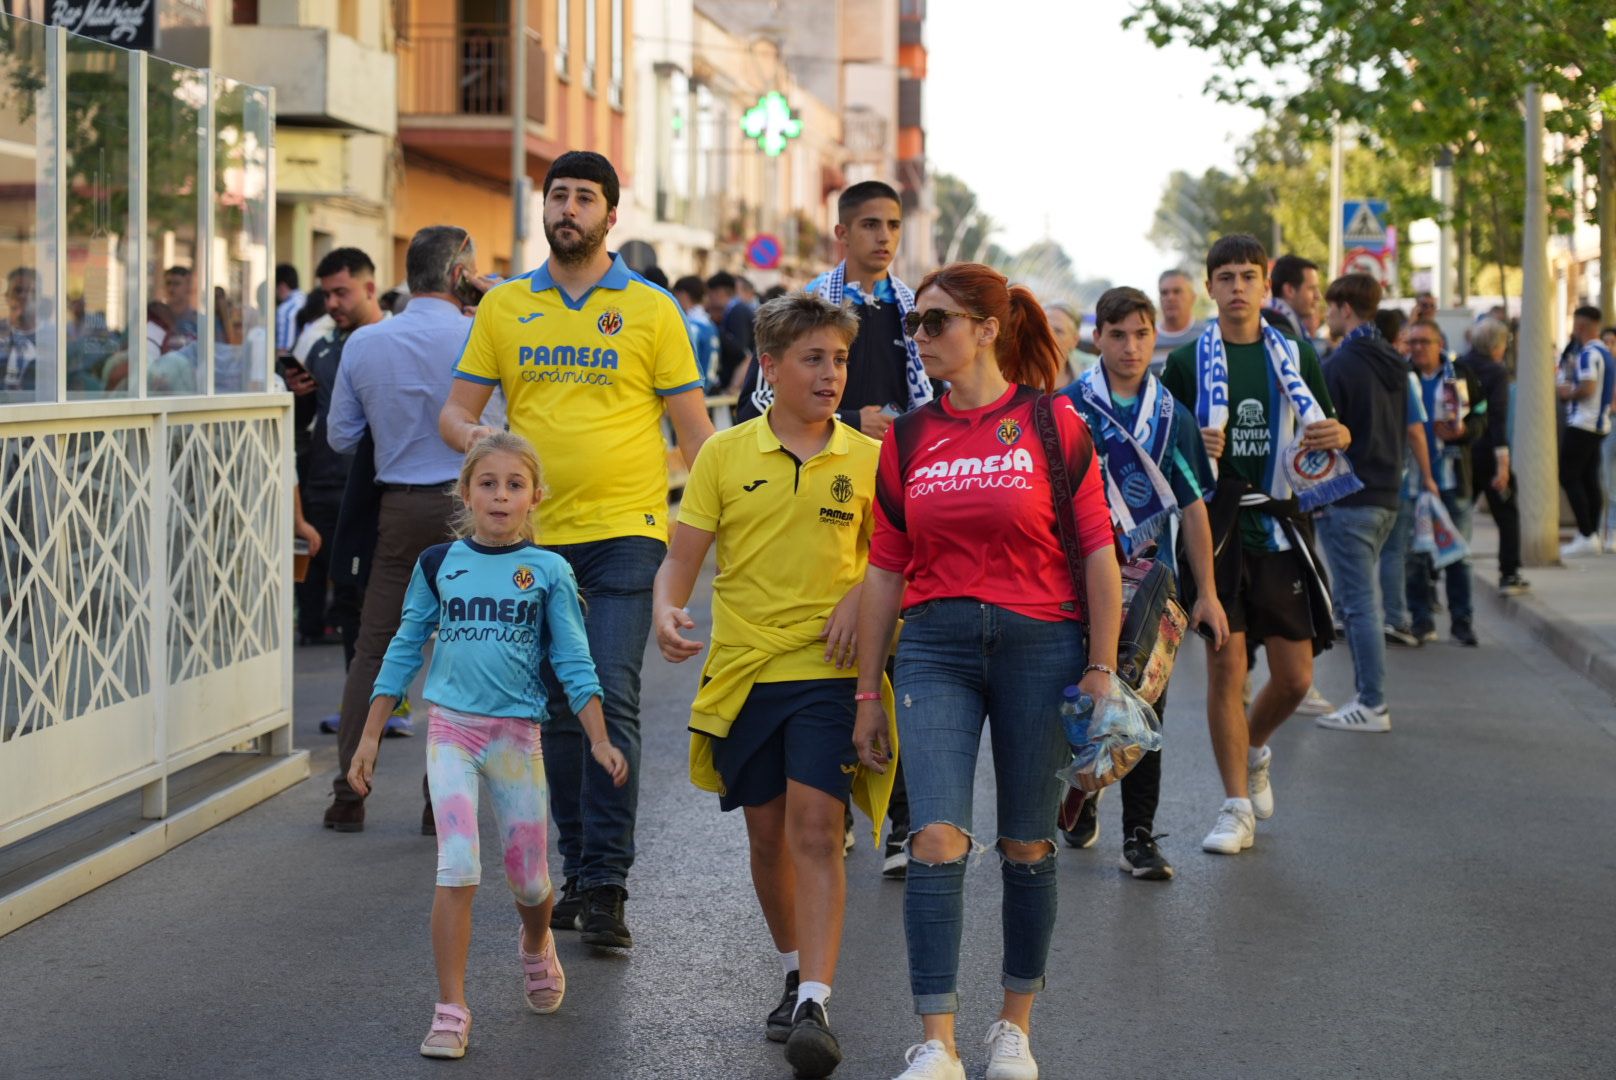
(933, 321)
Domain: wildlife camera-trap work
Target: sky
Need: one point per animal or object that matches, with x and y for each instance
(1062, 121)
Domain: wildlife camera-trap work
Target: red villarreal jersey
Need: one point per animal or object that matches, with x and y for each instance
(970, 513)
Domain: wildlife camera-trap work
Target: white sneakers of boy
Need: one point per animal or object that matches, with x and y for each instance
(1259, 789)
(931, 1060)
(1581, 545)
(1235, 830)
(1356, 716)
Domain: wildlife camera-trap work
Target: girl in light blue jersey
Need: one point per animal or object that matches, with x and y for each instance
(499, 605)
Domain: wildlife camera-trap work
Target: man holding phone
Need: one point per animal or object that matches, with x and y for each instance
(1157, 479)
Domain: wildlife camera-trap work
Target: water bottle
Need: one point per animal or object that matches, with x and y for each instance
(1076, 710)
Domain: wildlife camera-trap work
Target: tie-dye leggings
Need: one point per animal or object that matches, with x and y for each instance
(505, 752)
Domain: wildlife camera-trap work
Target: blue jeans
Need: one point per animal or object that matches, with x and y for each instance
(1353, 538)
(1394, 559)
(1458, 574)
(960, 661)
(594, 819)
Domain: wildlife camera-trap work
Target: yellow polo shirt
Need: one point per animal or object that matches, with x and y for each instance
(793, 536)
(584, 381)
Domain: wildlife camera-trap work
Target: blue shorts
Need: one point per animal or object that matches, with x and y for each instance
(800, 730)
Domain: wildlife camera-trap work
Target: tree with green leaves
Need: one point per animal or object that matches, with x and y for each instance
(1415, 80)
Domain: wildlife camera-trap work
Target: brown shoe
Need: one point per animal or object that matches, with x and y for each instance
(345, 815)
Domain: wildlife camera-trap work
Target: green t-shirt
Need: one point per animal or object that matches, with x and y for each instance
(1253, 395)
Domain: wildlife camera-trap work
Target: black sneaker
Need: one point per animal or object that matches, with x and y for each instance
(1465, 635)
(602, 918)
(1424, 631)
(778, 1027)
(1141, 857)
(1087, 830)
(811, 1050)
(568, 906)
(1512, 585)
(895, 861)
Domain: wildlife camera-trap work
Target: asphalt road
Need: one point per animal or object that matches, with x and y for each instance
(1434, 902)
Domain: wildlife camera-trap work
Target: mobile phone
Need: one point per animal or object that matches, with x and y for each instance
(290, 365)
(1206, 632)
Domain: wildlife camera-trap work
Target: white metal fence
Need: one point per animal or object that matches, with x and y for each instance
(145, 460)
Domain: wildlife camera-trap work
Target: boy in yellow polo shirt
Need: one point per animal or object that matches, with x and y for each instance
(789, 496)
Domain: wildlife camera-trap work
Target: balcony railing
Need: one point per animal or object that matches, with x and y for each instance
(464, 69)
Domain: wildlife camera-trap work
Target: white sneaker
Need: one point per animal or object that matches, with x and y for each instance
(1234, 832)
(1356, 716)
(1259, 788)
(1580, 546)
(1314, 704)
(931, 1060)
(1009, 1056)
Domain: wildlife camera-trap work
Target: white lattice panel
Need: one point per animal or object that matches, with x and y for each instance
(224, 544)
(75, 575)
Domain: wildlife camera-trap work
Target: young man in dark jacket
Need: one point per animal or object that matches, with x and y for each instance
(1489, 454)
(1369, 383)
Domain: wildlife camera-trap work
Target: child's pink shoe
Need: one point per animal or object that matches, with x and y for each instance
(544, 984)
(451, 1031)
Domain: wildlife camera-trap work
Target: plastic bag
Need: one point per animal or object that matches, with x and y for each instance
(1434, 534)
(1108, 736)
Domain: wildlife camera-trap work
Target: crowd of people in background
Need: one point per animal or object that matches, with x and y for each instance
(891, 470)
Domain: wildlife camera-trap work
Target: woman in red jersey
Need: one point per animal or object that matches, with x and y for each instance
(966, 545)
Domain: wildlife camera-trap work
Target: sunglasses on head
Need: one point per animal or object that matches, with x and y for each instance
(933, 321)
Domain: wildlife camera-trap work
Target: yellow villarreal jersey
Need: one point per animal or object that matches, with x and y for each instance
(584, 382)
(792, 537)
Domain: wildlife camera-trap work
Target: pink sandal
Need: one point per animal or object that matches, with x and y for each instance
(451, 1031)
(544, 984)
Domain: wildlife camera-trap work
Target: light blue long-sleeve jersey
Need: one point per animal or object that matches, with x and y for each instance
(498, 612)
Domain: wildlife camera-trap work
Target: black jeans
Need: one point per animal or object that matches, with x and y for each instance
(1579, 475)
(1141, 788)
(1506, 514)
(314, 611)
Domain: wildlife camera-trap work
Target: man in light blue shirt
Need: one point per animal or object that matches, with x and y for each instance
(394, 378)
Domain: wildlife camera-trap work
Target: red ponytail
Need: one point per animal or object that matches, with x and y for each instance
(1026, 348)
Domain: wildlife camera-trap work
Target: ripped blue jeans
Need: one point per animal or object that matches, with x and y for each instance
(959, 663)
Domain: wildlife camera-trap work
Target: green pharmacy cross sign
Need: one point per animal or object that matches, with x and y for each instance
(770, 122)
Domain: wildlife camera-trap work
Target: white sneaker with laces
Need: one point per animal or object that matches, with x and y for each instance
(1315, 704)
(1234, 832)
(931, 1060)
(1259, 786)
(1009, 1056)
(1356, 716)
(1581, 545)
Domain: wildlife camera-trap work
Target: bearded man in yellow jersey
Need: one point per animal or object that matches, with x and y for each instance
(590, 356)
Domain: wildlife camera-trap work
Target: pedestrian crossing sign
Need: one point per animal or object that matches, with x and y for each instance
(1365, 223)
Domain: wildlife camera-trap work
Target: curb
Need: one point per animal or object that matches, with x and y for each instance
(1565, 638)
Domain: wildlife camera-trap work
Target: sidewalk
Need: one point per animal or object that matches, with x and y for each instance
(1571, 608)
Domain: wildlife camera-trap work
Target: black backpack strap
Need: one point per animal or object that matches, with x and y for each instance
(1067, 468)
(905, 434)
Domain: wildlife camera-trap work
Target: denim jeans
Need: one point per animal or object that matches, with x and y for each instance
(960, 661)
(1457, 574)
(1394, 560)
(594, 820)
(1352, 538)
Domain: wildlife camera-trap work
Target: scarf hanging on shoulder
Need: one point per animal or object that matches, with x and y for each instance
(1141, 498)
(832, 287)
(1316, 477)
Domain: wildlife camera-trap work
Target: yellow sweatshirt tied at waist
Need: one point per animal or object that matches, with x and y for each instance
(740, 652)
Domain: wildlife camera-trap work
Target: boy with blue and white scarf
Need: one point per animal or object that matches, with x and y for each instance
(1157, 476)
(1267, 422)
